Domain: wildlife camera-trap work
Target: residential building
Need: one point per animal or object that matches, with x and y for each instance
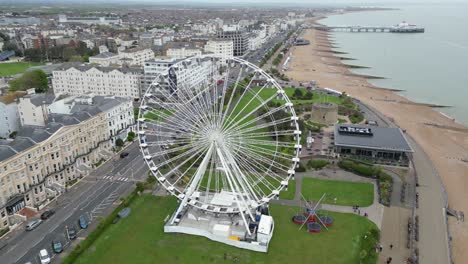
(41, 160)
(80, 80)
(220, 47)
(63, 19)
(181, 50)
(240, 41)
(32, 108)
(9, 114)
(105, 59)
(136, 56)
(187, 75)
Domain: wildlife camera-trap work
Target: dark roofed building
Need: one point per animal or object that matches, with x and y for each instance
(5, 55)
(380, 144)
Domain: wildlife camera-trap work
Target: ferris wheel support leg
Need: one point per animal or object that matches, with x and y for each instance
(193, 185)
(231, 184)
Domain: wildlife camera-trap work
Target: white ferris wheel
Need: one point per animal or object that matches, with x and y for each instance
(220, 135)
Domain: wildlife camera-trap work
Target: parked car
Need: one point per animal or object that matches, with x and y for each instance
(71, 233)
(47, 214)
(44, 256)
(33, 224)
(57, 246)
(83, 222)
(123, 154)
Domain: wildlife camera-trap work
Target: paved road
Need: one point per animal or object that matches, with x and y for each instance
(91, 197)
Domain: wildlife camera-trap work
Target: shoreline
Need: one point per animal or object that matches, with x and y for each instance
(310, 63)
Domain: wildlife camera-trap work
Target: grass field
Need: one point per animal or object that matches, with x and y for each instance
(289, 194)
(347, 193)
(15, 67)
(140, 239)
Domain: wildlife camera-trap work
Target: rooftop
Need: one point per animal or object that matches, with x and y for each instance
(81, 111)
(105, 55)
(371, 137)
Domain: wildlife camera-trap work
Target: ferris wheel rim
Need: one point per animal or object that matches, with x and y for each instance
(179, 192)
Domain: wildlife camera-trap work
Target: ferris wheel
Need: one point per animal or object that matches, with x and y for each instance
(219, 134)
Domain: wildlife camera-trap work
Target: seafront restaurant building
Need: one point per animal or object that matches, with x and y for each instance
(382, 145)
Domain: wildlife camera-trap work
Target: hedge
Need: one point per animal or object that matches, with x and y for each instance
(103, 225)
(4, 231)
(384, 181)
(317, 164)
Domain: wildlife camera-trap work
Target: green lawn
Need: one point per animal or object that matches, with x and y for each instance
(347, 193)
(15, 67)
(289, 194)
(140, 239)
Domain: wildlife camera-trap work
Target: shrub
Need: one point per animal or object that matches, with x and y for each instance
(384, 181)
(130, 136)
(119, 142)
(4, 231)
(317, 164)
(300, 168)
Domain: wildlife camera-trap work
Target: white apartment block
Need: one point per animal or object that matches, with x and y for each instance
(182, 52)
(32, 109)
(220, 47)
(38, 163)
(105, 59)
(9, 121)
(187, 75)
(136, 56)
(80, 80)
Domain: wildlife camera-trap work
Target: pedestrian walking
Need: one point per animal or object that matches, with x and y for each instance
(391, 246)
(380, 247)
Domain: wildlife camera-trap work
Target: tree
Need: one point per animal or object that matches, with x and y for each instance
(130, 136)
(76, 58)
(297, 94)
(36, 55)
(4, 36)
(68, 53)
(308, 96)
(119, 142)
(8, 45)
(32, 79)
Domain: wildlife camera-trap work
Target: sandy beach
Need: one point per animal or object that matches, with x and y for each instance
(443, 140)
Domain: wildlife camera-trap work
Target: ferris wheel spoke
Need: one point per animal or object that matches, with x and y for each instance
(269, 134)
(260, 117)
(182, 155)
(248, 167)
(246, 88)
(233, 92)
(230, 124)
(262, 127)
(257, 155)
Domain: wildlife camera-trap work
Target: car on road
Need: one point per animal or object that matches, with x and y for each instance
(71, 233)
(33, 224)
(45, 215)
(44, 256)
(123, 154)
(83, 222)
(57, 246)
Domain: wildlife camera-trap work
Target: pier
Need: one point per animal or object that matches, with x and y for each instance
(383, 29)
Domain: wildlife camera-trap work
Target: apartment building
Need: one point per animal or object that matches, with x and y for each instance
(105, 59)
(136, 56)
(181, 50)
(38, 163)
(220, 47)
(239, 38)
(32, 108)
(80, 79)
(9, 114)
(189, 73)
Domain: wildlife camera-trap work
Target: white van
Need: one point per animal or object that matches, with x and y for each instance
(44, 256)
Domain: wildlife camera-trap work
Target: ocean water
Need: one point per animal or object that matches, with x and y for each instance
(431, 67)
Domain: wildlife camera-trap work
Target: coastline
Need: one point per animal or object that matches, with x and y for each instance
(422, 122)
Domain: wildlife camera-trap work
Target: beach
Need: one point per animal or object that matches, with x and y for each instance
(441, 138)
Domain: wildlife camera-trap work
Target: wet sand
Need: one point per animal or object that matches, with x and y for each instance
(443, 140)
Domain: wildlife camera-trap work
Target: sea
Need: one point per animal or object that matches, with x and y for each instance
(430, 67)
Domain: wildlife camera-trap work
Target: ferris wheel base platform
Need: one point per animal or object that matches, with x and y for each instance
(220, 230)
